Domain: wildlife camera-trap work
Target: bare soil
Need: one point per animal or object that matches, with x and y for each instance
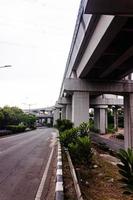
(69, 191)
(99, 182)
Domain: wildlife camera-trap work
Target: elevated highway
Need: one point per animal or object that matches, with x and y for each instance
(43, 115)
(99, 61)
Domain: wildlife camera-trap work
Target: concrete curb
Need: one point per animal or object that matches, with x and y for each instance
(75, 180)
(59, 194)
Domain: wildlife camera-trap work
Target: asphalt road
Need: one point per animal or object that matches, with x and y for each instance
(23, 159)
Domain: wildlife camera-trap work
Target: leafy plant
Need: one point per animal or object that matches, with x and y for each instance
(68, 136)
(95, 130)
(63, 125)
(121, 121)
(16, 128)
(111, 128)
(120, 136)
(126, 168)
(84, 128)
(92, 128)
(81, 150)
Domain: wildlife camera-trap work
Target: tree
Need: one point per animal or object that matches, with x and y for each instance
(15, 116)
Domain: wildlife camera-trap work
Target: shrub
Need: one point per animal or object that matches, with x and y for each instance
(81, 150)
(92, 128)
(95, 130)
(126, 168)
(68, 136)
(121, 121)
(28, 120)
(63, 125)
(120, 136)
(16, 128)
(110, 130)
(110, 117)
(84, 129)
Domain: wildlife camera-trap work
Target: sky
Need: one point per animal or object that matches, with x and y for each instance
(35, 38)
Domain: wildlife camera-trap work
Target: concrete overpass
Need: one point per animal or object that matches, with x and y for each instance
(100, 57)
(43, 115)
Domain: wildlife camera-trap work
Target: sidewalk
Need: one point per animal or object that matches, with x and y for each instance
(113, 144)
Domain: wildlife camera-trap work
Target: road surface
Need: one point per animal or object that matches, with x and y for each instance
(23, 162)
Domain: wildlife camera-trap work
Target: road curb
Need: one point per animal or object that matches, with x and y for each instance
(59, 194)
(75, 180)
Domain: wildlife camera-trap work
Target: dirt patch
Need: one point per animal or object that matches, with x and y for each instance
(69, 191)
(101, 181)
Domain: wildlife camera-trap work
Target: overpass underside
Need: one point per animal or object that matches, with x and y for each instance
(100, 62)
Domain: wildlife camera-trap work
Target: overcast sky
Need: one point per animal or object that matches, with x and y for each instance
(35, 38)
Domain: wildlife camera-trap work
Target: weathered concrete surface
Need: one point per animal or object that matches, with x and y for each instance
(103, 87)
(23, 159)
(114, 145)
(80, 108)
(110, 7)
(100, 118)
(69, 112)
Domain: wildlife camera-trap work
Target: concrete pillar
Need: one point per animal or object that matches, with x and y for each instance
(80, 108)
(100, 118)
(96, 118)
(128, 120)
(63, 112)
(69, 112)
(115, 118)
(49, 121)
(56, 115)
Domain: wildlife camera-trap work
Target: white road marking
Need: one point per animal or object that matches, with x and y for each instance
(41, 186)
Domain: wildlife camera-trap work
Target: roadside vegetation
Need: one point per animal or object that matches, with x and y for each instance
(98, 178)
(14, 120)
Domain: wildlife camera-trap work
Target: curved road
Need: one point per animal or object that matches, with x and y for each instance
(23, 159)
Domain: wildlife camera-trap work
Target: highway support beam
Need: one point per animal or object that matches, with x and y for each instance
(80, 108)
